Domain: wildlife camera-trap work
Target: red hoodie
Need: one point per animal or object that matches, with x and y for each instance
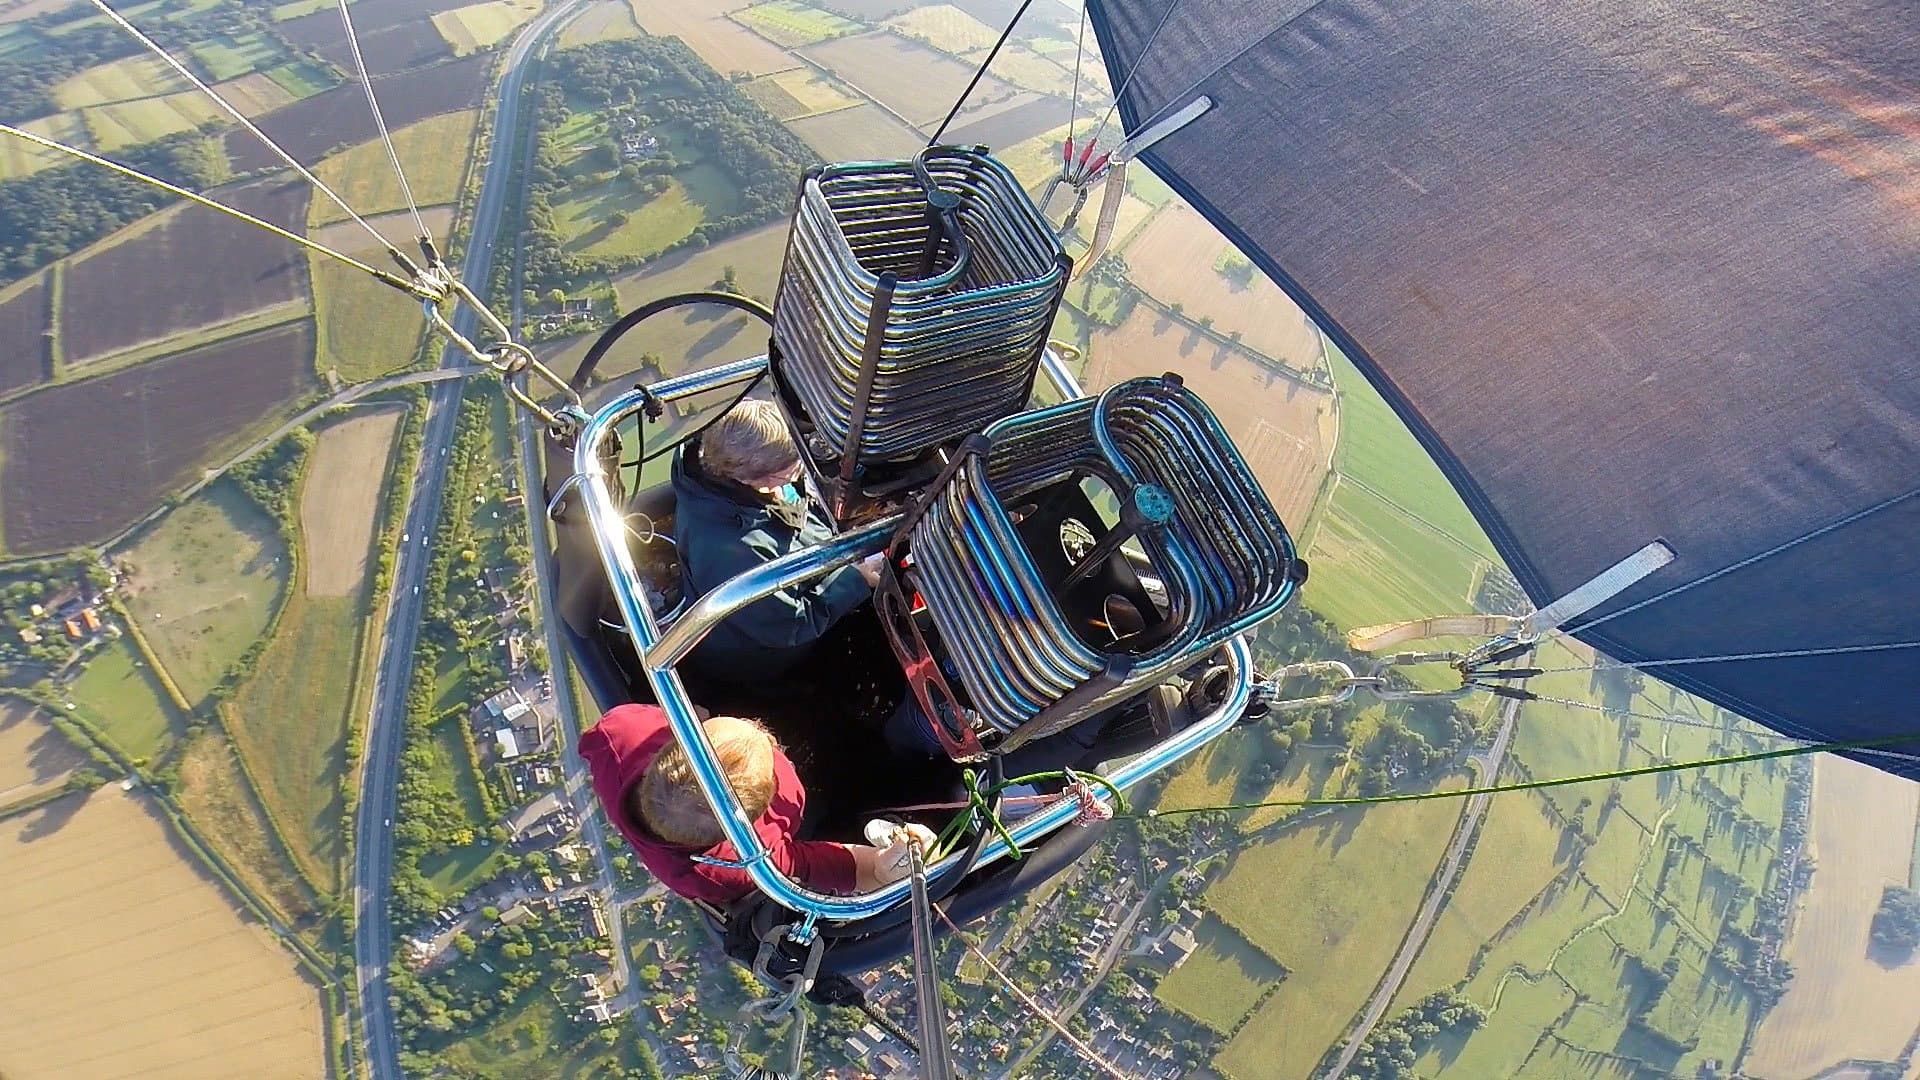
(617, 752)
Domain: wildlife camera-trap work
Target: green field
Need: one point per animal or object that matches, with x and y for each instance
(19, 157)
(129, 79)
(364, 329)
(434, 152)
(791, 23)
(204, 585)
(527, 1041)
(1329, 900)
(1221, 980)
(216, 797)
(225, 57)
(290, 723)
(130, 123)
(454, 872)
(301, 78)
(118, 695)
(586, 218)
(480, 26)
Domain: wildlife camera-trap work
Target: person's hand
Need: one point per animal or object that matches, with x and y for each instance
(890, 840)
(869, 568)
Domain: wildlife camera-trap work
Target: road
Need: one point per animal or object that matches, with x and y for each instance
(373, 838)
(1437, 893)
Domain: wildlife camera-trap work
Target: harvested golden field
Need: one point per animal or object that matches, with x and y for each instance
(694, 337)
(1285, 429)
(254, 94)
(18, 157)
(33, 756)
(341, 499)
(862, 133)
(725, 45)
(607, 20)
(346, 236)
(134, 77)
(1846, 999)
(434, 152)
(944, 27)
(790, 95)
(119, 957)
(1177, 259)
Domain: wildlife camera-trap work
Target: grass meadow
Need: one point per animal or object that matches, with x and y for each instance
(119, 696)
(1222, 979)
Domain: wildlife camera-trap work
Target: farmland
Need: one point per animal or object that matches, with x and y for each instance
(944, 27)
(1015, 120)
(1285, 429)
(226, 56)
(25, 358)
(588, 226)
(791, 22)
(701, 336)
(434, 151)
(1222, 979)
(725, 45)
(789, 95)
(608, 20)
(290, 724)
(165, 424)
(33, 756)
(1328, 900)
(204, 583)
(1846, 1001)
(117, 694)
(1173, 261)
(394, 35)
(314, 127)
(364, 328)
(129, 123)
(862, 133)
(255, 94)
(134, 77)
(341, 499)
(910, 79)
(215, 795)
(254, 270)
(19, 157)
(481, 26)
(195, 988)
(1374, 563)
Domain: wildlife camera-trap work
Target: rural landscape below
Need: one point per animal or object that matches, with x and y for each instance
(287, 774)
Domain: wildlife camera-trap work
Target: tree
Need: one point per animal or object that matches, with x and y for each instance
(556, 297)
(465, 944)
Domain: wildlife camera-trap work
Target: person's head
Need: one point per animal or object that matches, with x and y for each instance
(668, 799)
(751, 446)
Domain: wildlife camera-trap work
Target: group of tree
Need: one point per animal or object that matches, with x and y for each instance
(712, 120)
(57, 211)
(432, 1010)
(1391, 1049)
(1896, 925)
(74, 44)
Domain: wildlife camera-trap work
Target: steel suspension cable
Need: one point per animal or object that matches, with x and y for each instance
(1134, 69)
(213, 204)
(979, 73)
(1860, 745)
(321, 185)
(1079, 53)
(380, 122)
(1027, 999)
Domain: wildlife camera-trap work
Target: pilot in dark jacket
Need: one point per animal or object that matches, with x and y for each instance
(736, 506)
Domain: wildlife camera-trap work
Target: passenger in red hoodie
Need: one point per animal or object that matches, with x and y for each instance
(647, 786)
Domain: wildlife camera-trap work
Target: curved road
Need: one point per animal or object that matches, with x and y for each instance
(373, 838)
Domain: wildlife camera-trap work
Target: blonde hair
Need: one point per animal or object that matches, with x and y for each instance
(748, 444)
(668, 797)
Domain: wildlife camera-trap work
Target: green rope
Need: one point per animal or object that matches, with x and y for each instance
(1535, 785)
(980, 806)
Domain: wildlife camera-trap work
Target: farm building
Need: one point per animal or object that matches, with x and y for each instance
(509, 747)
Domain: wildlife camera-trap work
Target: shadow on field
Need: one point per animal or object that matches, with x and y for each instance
(53, 817)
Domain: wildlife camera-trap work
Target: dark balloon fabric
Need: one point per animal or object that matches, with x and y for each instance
(1629, 272)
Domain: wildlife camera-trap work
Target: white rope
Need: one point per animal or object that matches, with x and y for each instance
(1026, 999)
(211, 204)
(163, 54)
(380, 121)
(1079, 52)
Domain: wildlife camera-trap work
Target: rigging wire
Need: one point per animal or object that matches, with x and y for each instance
(213, 204)
(1027, 999)
(980, 72)
(1133, 70)
(380, 121)
(1679, 721)
(321, 185)
(1859, 745)
(1079, 52)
